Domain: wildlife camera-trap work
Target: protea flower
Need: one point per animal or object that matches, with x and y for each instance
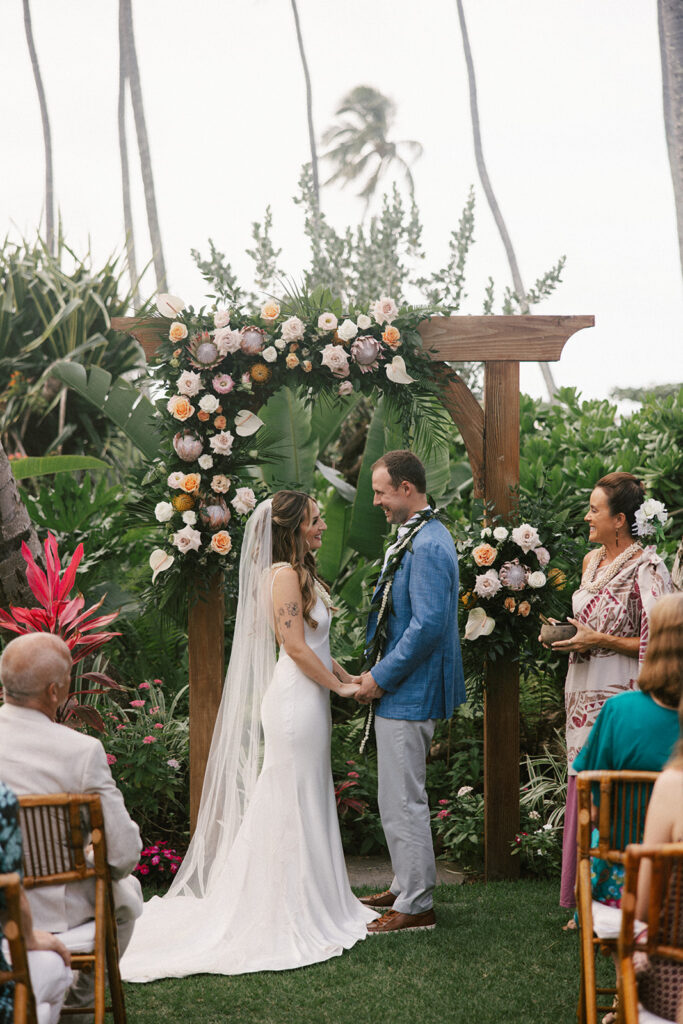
(182, 502)
(513, 575)
(253, 340)
(365, 351)
(215, 514)
(188, 446)
(260, 373)
(203, 352)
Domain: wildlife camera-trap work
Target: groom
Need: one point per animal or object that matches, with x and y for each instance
(416, 674)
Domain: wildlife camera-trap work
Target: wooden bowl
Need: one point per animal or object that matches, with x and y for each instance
(563, 631)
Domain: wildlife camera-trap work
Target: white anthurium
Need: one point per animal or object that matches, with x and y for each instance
(169, 305)
(160, 561)
(478, 624)
(396, 371)
(247, 423)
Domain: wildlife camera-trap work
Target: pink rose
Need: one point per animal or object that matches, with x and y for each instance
(543, 556)
(227, 341)
(292, 329)
(336, 359)
(384, 310)
(345, 388)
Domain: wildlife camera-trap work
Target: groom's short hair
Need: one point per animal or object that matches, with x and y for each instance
(404, 465)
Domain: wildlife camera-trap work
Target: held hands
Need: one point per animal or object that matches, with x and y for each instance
(349, 689)
(369, 690)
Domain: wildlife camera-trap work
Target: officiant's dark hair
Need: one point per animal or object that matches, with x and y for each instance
(289, 510)
(404, 465)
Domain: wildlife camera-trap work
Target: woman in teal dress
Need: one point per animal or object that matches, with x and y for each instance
(636, 730)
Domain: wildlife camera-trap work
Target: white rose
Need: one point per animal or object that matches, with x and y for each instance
(536, 579)
(500, 533)
(205, 462)
(526, 537)
(227, 341)
(221, 318)
(486, 532)
(163, 511)
(327, 322)
(244, 500)
(175, 480)
(364, 322)
(292, 329)
(209, 403)
(177, 331)
(347, 330)
(187, 539)
(336, 358)
(222, 443)
(385, 310)
(189, 383)
(190, 517)
(280, 344)
(269, 354)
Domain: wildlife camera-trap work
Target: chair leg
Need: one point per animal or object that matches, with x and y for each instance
(115, 987)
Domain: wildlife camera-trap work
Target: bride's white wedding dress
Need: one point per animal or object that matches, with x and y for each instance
(282, 898)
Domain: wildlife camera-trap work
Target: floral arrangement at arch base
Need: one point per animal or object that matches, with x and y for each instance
(508, 580)
(218, 368)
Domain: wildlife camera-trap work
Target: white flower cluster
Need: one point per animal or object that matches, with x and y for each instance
(648, 515)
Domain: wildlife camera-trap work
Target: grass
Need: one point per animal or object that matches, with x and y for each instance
(497, 956)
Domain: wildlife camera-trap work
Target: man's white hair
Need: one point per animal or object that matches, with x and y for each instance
(31, 662)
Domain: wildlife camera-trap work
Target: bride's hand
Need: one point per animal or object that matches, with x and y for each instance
(349, 689)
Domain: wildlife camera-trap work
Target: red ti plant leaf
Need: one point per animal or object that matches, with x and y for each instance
(53, 566)
(36, 578)
(69, 577)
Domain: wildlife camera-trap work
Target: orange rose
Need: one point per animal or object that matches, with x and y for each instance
(220, 423)
(484, 554)
(191, 483)
(509, 604)
(270, 311)
(391, 337)
(292, 361)
(180, 407)
(221, 542)
(203, 416)
(524, 608)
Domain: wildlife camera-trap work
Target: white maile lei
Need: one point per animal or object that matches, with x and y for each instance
(594, 581)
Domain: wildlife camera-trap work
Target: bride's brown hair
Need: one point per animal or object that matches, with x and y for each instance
(290, 509)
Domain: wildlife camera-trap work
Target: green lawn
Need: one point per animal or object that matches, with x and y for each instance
(497, 956)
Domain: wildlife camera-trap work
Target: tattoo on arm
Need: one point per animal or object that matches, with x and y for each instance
(290, 608)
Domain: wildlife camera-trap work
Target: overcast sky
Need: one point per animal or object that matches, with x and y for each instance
(571, 116)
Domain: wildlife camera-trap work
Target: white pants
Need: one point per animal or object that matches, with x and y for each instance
(402, 748)
(50, 980)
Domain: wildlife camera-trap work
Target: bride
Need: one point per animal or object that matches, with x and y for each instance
(263, 886)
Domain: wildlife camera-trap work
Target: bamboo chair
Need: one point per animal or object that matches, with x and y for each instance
(24, 1002)
(624, 797)
(664, 918)
(55, 830)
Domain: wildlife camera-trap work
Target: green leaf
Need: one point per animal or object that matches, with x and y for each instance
(292, 459)
(368, 523)
(328, 416)
(132, 412)
(337, 517)
(22, 468)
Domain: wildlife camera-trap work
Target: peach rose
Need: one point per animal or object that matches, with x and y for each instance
(203, 416)
(270, 311)
(221, 542)
(509, 604)
(307, 366)
(292, 361)
(177, 331)
(220, 423)
(391, 337)
(484, 554)
(220, 483)
(191, 483)
(523, 608)
(180, 407)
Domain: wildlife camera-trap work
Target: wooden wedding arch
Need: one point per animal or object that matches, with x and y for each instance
(491, 437)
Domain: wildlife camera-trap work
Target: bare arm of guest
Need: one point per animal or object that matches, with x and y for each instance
(660, 827)
(289, 629)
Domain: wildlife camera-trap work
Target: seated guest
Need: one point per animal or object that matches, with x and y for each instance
(37, 755)
(48, 958)
(636, 730)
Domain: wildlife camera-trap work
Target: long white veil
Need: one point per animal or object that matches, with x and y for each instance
(236, 746)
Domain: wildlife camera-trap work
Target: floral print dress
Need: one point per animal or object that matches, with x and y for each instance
(10, 860)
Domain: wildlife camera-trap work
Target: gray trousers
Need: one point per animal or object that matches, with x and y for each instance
(402, 748)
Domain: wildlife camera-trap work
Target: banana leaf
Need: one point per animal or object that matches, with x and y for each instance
(23, 468)
(329, 414)
(337, 517)
(292, 459)
(368, 524)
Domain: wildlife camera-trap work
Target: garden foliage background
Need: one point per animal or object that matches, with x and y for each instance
(51, 314)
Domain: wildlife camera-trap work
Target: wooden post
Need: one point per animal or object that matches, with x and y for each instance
(205, 637)
(501, 698)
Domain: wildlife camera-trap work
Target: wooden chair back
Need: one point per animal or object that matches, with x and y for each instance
(64, 842)
(623, 798)
(664, 937)
(24, 1002)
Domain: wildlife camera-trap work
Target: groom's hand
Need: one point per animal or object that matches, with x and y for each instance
(369, 689)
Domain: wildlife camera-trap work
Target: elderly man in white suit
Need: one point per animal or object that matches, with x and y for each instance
(37, 755)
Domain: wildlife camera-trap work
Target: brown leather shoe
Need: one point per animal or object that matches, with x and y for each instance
(393, 921)
(379, 899)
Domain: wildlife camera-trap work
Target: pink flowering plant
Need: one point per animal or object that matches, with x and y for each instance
(458, 827)
(147, 742)
(509, 577)
(217, 368)
(158, 864)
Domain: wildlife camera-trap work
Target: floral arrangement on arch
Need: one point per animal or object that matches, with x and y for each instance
(219, 368)
(506, 582)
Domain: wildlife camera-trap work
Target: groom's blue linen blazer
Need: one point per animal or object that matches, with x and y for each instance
(421, 667)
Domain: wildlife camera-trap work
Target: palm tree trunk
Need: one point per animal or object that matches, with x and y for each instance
(15, 526)
(125, 174)
(47, 134)
(670, 17)
(133, 74)
(309, 106)
(488, 190)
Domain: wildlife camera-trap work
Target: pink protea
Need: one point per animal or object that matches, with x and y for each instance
(513, 575)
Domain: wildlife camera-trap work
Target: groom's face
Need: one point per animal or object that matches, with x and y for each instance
(394, 501)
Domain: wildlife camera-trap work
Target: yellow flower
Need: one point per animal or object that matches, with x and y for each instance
(467, 599)
(182, 502)
(180, 407)
(557, 579)
(260, 373)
